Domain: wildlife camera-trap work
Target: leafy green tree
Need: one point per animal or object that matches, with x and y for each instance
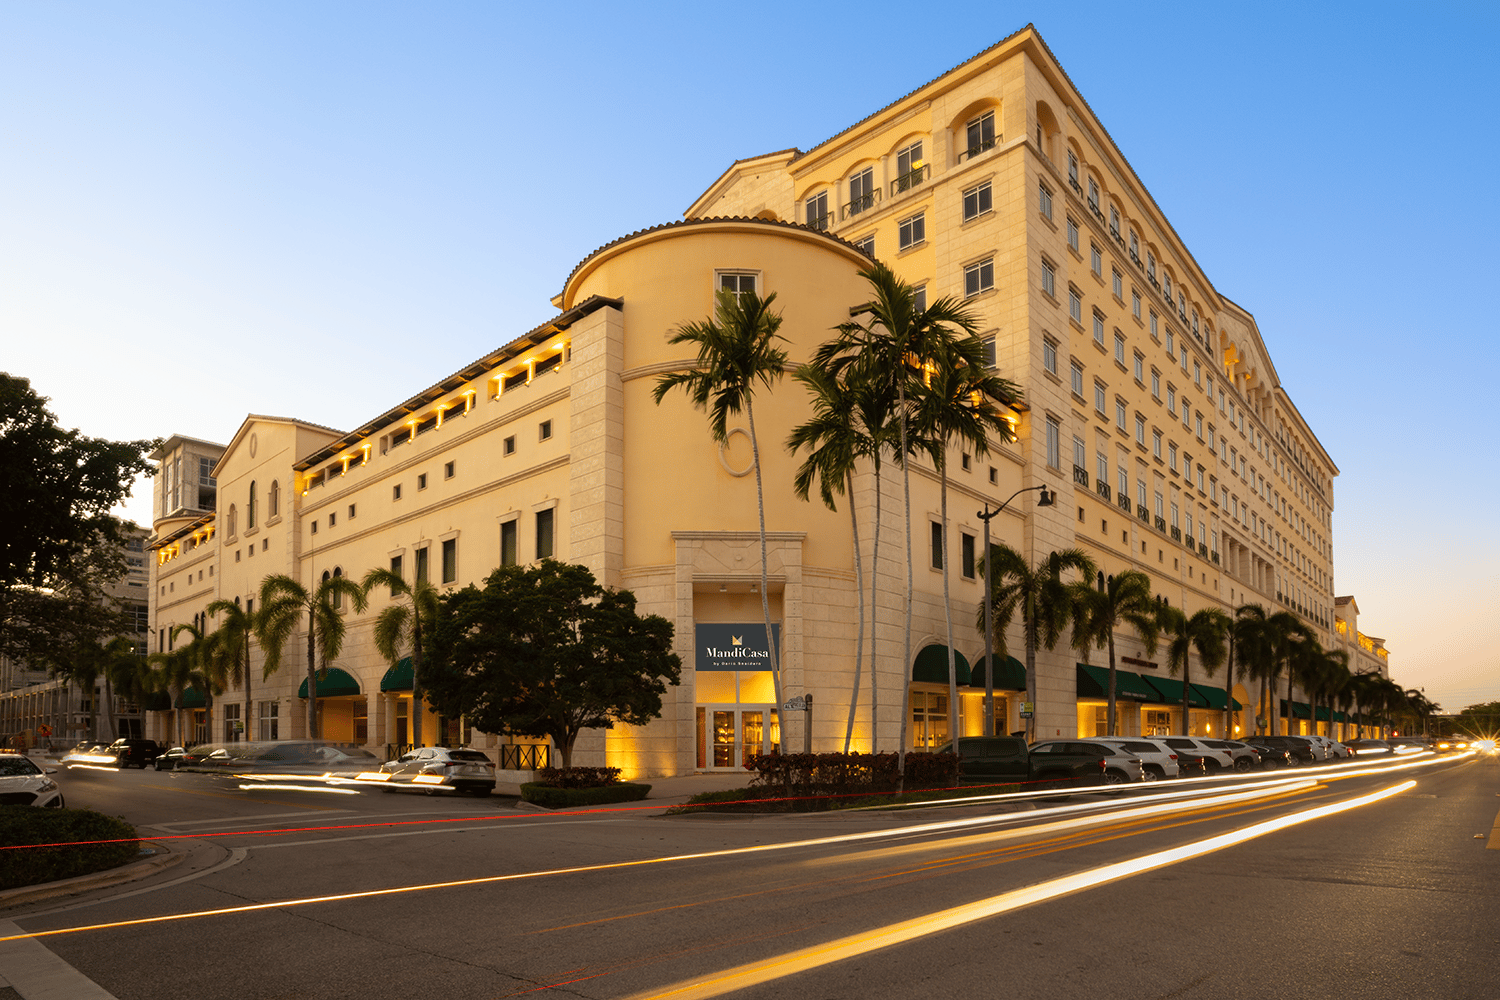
(59, 545)
(188, 665)
(1038, 594)
(232, 641)
(126, 673)
(545, 651)
(403, 626)
(1123, 600)
(1207, 631)
(737, 353)
(959, 401)
(283, 601)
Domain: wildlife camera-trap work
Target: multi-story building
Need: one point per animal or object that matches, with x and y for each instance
(1151, 407)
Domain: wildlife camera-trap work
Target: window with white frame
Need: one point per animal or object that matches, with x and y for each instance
(1171, 400)
(1093, 194)
(1075, 305)
(1171, 343)
(1072, 168)
(1140, 429)
(1079, 454)
(815, 211)
(1156, 443)
(909, 166)
(1044, 200)
(977, 201)
(1100, 394)
(1054, 435)
(1101, 468)
(866, 245)
(1072, 235)
(1124, 480)
(1117, 283)
(1099, 328)
(1155, 384)
(861, 191)
(979, 277)
(1172, 456)
(1140, 368)
(979, 133)
(1049, 279)
(738, 282)
(1135, 303)
(1154, 330)
(1119, 349)
(1096, 260)
(911, 231)
(1120, 413)
(1076, 378)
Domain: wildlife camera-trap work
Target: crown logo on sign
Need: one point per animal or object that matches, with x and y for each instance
(735, 640)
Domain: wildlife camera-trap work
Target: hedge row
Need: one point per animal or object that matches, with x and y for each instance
(578, 777)
(562, 798)
(850, 773)
(20, 865)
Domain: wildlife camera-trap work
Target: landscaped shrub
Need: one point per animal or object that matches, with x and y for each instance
(73, 828)
(578, 777)
(553, 797)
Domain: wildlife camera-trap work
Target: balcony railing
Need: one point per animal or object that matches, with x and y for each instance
(1073, 183)
(821, 222)
(910, 179)
(1124, 502)
(1215, 557)
(1142, 513)
(1203, 548)
(976, 149)
(523, 757)
(1176, 533)
(1161, 524)
(1080, 475)
(1102, 488)
(861, 204)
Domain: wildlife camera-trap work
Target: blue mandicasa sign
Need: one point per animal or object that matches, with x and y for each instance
(735, 646)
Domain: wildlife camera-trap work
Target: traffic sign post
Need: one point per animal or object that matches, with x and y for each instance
(802, 703)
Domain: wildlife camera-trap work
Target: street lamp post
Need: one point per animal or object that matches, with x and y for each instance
(1045, 500)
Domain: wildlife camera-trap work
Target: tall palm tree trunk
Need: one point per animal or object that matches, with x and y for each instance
(312, 677)
(1187, 723)
(1111, 715)
(859, 602)
(875, 620)
(416, 675)
(765, 599)
(248, 702)
(953, 712)
(906, 641)
(1229, 692)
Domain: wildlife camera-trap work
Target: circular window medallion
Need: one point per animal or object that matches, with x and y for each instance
(724, 457)
(253, 443)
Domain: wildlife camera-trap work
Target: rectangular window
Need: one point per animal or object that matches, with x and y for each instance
(911, 231)
(736, 281)
(1096, 260)
(1049, 356)
(1124, 483)
(351, 511)
(1093, 194)
(448, 469)
(1155, 384)
(1156, 443)
(937, 545)
(1101, 468)
(1054, 433)
(1073, 169)
(1044, 199)
(422, 481)
(1098, 329)
(268, 722)
(967, 552)
(989, 352)
(1076, 375)
(979, 133)
(1172, 400)
(1118, 285)
(980, 277)
(815, 211)
(450, 560)
(1099, 397)
(1140, 369)
(1049, 279)
(1075, 306)
(1172, 457)
(1154, 330)
(544, 526)
(1140, 429)
(1120, 414)
(861, 191)
(395, 571)
(544, 430)
(508, 547)
(919, 298)
(419, 565)
(333, 518)
(1198, 425)
(1072, 235)
(977, 201)
(313, 527)
(508, 446)
(909, 166)
(1119, 349)
(1079, 456)
(1135, 303)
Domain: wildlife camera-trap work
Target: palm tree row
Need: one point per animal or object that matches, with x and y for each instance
(211, 662)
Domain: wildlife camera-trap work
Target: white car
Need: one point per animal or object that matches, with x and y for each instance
(22, 783)
(1216, 756)
(1158, 761)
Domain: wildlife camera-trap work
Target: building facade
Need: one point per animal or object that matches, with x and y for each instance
(1151, 407)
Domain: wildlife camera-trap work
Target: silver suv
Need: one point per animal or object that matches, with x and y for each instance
(1158, 761)
(1120, 766)
(1216, 756)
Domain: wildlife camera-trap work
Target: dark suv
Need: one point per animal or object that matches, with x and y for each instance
(134, 753)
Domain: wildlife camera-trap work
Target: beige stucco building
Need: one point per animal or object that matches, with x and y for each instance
(1151, 407)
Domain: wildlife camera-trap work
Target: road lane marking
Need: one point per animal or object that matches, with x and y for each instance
(1493, 844)
(854, 945)
(231, 821)
(30, 968)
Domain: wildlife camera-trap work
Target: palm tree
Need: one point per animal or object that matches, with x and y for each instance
(1207, 631)
(185, 666)
(736, 353)
(1038, 594)
(1422, 706)
(1267, 643)
(232, 640)
(836, 438)
(401, 625)
(122, 670)
(1124, 599)
(888, 352)
(959, 402)
(282, 603)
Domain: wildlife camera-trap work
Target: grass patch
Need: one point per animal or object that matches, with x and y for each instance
(72, 828)
(563, 798)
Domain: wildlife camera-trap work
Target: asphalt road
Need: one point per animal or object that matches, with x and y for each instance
(374, 896)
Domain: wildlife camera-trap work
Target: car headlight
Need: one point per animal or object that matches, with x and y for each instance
(48, 785)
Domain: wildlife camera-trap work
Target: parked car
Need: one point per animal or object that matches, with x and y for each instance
(1272, 757)
(462, 770)
(1120, 766)
(1004, 759)
(22, 783)
(1301, 750)
(1241, 757)
(170, 759)
(133, 753)
(1158, 761)
(1215, 758)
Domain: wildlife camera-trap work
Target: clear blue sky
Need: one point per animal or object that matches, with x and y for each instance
(314, 209)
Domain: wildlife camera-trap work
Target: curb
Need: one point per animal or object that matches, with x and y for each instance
(165, 859)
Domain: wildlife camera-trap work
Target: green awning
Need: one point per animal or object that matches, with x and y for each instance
(1215, 697)
(1300, 710)
(332, 684)
(1323, 713)
(1340, 717)
(1093, 682)
(191, 698)
(1010, 674)
(931, 666)
(157, 701)
(1171, 691)
(399, 677)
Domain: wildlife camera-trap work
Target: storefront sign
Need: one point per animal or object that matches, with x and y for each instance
(739, 646)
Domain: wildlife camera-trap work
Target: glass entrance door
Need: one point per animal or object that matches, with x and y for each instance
(733, 734)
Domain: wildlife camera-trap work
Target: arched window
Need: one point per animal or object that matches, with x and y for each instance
(233, 518)
(338, 598)
(273, 500)
(250, 508)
